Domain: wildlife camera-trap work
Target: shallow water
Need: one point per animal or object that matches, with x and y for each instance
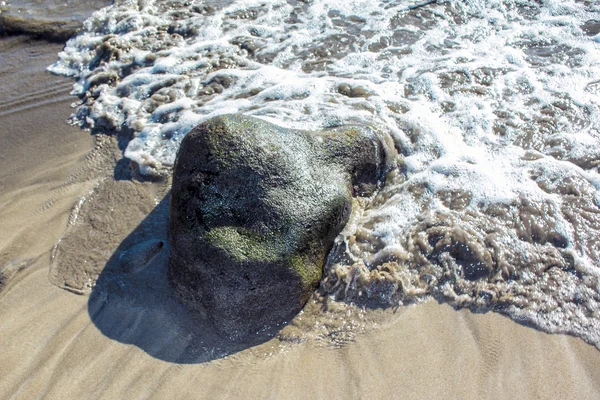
(57, 10)
(54, 21)
(491, 200)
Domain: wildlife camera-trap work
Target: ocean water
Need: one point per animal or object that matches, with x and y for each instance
(491, 108)
(51, 20)
(59, 10)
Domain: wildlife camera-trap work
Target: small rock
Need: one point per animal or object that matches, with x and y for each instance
(139, 256)
(255, 209)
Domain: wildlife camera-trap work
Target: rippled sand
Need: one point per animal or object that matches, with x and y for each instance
(55, 345)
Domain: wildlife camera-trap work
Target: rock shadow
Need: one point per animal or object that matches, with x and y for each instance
(133, 304)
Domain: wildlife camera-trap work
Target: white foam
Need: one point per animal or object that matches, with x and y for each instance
(465, 103)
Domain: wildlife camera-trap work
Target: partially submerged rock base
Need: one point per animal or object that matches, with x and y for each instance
(255, 209)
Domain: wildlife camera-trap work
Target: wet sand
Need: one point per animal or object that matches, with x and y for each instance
(53, 347)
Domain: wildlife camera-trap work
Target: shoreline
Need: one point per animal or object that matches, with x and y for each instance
(53, 349)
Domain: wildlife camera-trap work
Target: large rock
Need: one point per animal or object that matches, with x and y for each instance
(254, 212)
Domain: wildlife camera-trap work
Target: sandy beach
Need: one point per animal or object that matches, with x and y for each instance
(53, 346)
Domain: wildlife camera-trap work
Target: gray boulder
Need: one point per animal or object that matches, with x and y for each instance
(255, 209)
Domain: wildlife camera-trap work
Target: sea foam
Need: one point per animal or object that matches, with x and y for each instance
(492, 197)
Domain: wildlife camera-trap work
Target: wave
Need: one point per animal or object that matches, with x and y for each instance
(51, 30)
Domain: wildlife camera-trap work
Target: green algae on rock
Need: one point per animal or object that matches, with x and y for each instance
(255, 209)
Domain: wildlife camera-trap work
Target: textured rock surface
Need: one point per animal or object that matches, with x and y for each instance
(255, 209)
